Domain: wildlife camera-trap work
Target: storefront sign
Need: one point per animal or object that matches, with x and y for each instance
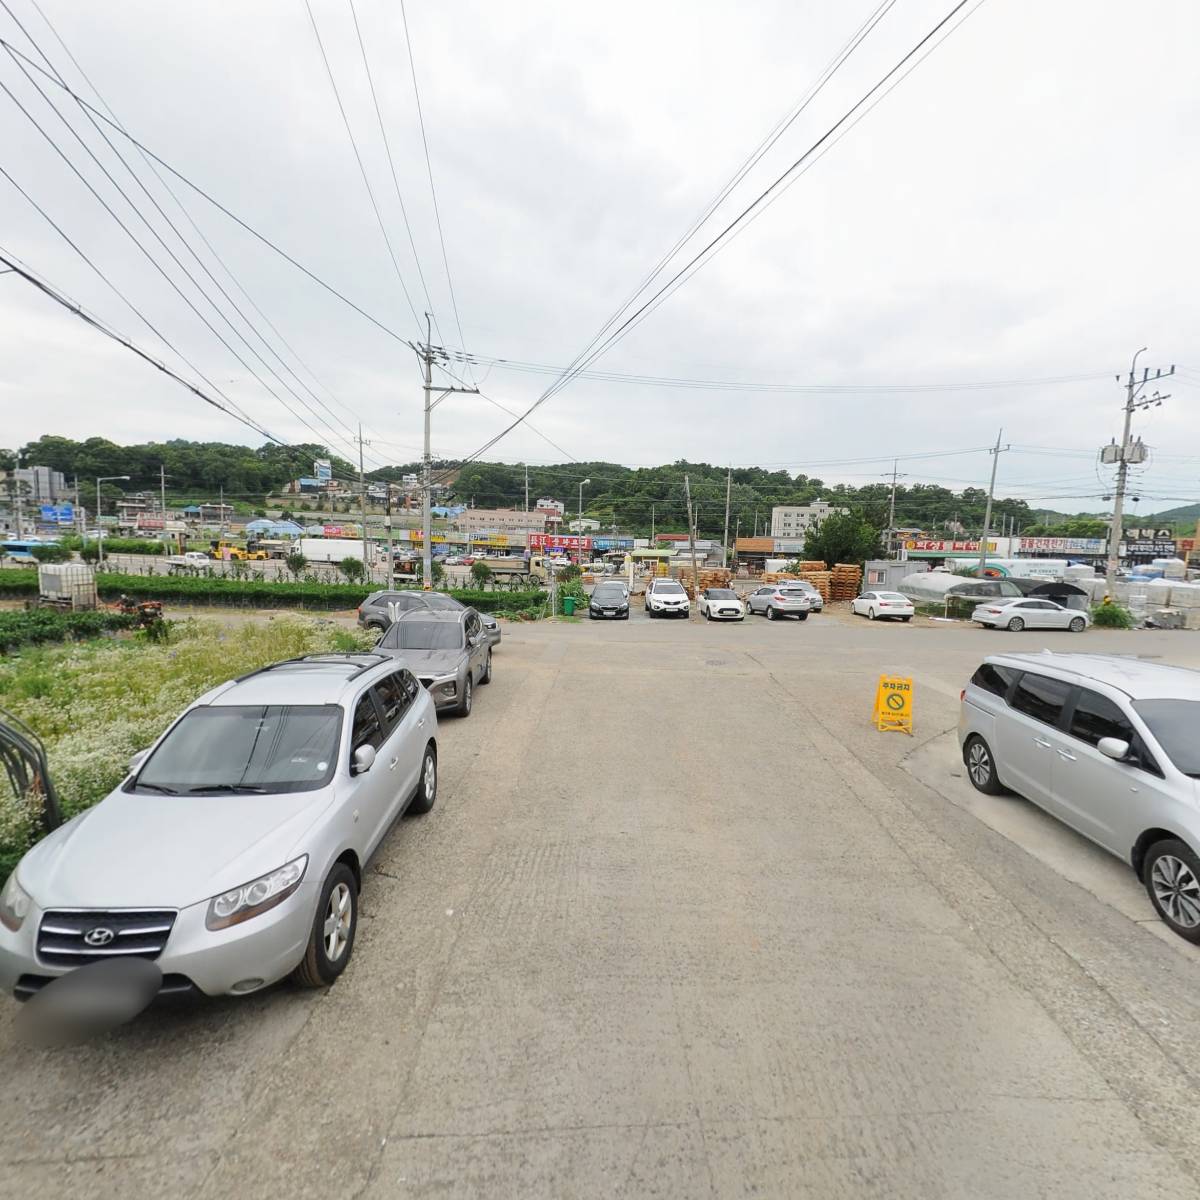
(1164, 548)
(949, 547)
(553, 541)
(612, 543)
(1062, 545)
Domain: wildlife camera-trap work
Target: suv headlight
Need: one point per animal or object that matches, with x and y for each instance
(258, 896)
(14, 904)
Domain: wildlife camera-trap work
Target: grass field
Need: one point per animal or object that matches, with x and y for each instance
(95, 704)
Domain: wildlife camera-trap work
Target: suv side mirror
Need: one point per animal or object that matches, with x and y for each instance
(364, 759)
(1112, 747)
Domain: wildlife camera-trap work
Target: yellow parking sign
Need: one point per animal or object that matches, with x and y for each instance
(893, 703)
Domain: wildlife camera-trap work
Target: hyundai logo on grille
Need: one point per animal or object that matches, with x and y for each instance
(99, 936)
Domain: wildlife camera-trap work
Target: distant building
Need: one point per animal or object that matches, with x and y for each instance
(500, 520)
(552, 508)
(794, 521)
(583, 525)
(42, 485)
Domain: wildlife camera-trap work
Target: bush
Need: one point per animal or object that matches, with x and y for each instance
(481, 573)
(1112, 616)
(296, 562)
(352, 568)
(51, 554)
(50, 625)
(574, 589)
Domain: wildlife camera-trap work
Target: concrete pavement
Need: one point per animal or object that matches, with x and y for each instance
(682, 924)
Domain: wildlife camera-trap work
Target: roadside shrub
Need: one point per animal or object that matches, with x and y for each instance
(1110, 615)
(50, 625)
(572, 588)
(51, 554)
(296, 562)
(90, 553)
(352, 568)
(481, 573)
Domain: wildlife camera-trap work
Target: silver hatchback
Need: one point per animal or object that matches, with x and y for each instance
(1108, 746)
(234, 852)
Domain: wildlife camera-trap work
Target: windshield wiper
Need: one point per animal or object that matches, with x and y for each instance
(235, 788)
(156, 787)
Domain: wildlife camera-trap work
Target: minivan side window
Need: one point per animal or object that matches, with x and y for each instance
(1097, 717)
(366, 730)
(1040, 697)
(994, 679)
(393, 699)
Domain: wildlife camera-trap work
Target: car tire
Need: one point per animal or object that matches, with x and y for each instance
(1077, 625)
(463, 708)
(486, 677)
(625, 615)
(1015, 625)
(771, 613)
(906, 618)
(981, 766)
(870, 614)
(802, 616)
(1171, 874)
(425, 797)
(334, 924)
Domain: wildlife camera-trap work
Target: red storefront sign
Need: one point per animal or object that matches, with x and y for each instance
(933, 544)
(552, 541)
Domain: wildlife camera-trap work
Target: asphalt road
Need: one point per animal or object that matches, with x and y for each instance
(682, 924)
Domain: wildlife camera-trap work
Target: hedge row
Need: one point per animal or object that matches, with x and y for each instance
(49, 625)
(258, 593)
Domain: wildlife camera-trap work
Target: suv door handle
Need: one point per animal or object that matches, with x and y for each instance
(1065, 754)
(1045, 745)
(392, 764)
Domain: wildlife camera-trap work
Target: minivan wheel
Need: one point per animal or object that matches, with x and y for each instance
(1077, 625)
(981, 766)
(1171, 874)
(1016, 625)
(331, 941)
(464, 705)
(426, 793)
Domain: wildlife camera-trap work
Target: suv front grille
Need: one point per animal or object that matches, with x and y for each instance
(71, 937)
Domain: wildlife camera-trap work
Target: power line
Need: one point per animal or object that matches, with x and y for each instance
(429, 169)
(585, 360)
(195, 187)
(358, 158)
(387, 145)
(136, 241)
(187, 215)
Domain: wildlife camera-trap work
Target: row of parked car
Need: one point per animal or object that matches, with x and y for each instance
(232, 854)
(667, 597)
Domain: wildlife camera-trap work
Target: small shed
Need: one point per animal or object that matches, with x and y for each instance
(1069, 595)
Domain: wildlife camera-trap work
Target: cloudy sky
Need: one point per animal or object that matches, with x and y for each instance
(1021, 208)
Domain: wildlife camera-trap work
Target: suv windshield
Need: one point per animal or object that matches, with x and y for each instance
(1174, 724)
(423, 635)
(668, 588)
(235, 748)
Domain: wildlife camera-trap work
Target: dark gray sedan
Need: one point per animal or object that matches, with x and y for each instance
(380, 609)
(610, 600)
(447, 650)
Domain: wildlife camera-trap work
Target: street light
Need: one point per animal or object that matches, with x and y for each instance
(100, 528)
(583, 483)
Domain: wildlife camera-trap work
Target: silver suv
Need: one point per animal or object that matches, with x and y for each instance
(448, 650)
(380, 609)
(233, 853)
(1107, 745)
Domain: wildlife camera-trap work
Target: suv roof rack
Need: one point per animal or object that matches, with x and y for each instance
(346, 657)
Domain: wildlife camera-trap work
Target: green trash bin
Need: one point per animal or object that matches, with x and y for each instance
(568, 606)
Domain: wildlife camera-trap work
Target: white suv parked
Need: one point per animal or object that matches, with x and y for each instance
(666, 597)
(1108, 746)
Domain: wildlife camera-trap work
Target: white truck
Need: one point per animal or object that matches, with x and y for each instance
(190, 558)
(333, 550)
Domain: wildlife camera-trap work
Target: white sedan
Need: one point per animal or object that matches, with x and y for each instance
(721, 604)
(1030, 613)
(878, 605)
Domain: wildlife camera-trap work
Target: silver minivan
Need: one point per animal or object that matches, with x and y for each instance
(1106, 744)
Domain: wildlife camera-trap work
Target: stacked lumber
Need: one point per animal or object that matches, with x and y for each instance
(813, 565)
(821, 580)
(711, 577)
(776, 576)
(846, 579)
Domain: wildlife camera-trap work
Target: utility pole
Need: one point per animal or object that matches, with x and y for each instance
(651, 526)
(579, 521)
(687, 491)
(1125, 454)
(426, 356)
(362, 505)
(162, 493)
(222, 511)
(725, 537)
(18, 497)
(987, 512)
(79, 521)
(526, 487)
(891, 529)
(387, 524)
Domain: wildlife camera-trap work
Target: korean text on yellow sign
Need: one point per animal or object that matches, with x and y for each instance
(894, 703)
